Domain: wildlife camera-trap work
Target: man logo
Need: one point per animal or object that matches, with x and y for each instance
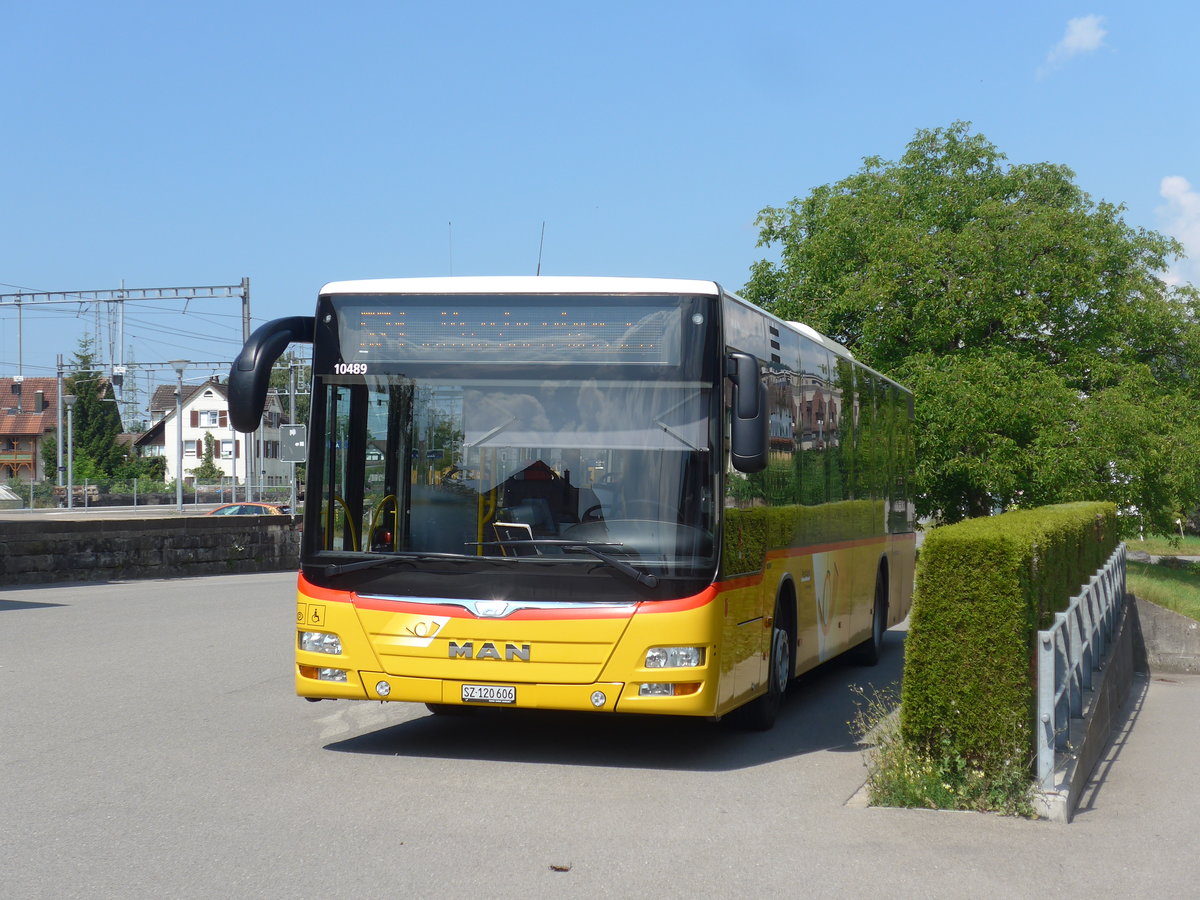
(492, 609)
(466, 650)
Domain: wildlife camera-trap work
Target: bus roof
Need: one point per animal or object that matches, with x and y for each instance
(523, 284)
(827, 342)
(563, 284)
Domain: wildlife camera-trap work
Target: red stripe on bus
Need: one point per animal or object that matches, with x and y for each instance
(454, 610)
(706, 596)
(310, 590)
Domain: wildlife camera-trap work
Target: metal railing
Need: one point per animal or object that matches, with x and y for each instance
(1068, 653)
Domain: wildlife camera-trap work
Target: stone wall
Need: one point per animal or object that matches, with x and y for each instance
(120, 549)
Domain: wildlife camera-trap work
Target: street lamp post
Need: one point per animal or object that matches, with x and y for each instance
(69, 399)
(179, 365)
(58, 424)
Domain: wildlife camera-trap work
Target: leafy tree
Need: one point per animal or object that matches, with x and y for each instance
(1049, 359)
(50, 452)
(208, 470)
(96, 419)
(150, 468)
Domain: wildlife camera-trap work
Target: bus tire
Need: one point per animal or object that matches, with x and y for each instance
(869, 651)
(760, 714)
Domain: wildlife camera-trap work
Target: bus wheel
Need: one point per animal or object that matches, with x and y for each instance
(868, 652)
(760, 714)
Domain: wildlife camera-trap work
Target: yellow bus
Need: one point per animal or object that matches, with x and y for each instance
(609, 494)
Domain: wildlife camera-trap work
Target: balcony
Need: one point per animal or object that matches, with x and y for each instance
(16, 457)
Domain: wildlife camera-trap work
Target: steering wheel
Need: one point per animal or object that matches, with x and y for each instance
(593, 514)
(651, 509)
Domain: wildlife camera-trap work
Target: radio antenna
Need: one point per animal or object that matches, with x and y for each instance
(541, 243)
(450, 245)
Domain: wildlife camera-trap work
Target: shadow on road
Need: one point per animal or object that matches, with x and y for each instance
(816, 716)
(25, 604)
(1122, 729)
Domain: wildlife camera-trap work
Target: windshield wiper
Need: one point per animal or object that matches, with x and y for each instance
(619, 564)
(358, 565)
(586, 547)
(361, 564)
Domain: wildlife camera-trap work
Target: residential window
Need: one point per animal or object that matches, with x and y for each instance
(209, 418)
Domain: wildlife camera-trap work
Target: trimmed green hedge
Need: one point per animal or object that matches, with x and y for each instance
(750, 533)
(983, 588)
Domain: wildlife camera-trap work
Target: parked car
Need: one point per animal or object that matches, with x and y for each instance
(252, 509)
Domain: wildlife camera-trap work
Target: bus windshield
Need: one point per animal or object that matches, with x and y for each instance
(547, 447)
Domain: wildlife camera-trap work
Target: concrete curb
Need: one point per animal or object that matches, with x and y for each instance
(1167, 642)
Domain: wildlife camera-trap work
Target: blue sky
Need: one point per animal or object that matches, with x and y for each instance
(298, 143)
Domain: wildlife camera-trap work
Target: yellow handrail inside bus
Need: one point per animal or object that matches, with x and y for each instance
(395, 517)
(349, 521)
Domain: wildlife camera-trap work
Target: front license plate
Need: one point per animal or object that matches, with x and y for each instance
(489, 693)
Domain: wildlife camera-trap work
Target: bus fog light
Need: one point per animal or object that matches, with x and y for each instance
(598, 699)
(320, 642)
(674, 657)
(331, 675)
(668, 689)
(656, 689)
(383, 688)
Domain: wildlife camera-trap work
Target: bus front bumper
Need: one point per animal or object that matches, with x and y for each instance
(694, 700)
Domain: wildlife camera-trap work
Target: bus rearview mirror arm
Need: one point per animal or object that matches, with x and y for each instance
(251, 371)
(748, 417)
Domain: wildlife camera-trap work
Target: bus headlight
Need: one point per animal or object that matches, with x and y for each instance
(674, 657)
(320, 642)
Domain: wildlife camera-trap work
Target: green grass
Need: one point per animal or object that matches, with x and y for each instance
(1177, 589)
(901, 774)
(1166, 545)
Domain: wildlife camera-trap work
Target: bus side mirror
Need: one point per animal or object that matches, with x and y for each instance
(748, 417)
(251, 370)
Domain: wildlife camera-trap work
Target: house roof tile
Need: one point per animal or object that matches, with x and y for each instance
(29, 421)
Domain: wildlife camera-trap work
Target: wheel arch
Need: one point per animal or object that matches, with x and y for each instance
(786, 602)
(883, 577)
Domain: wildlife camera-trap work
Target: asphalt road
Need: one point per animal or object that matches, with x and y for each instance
(151, 746)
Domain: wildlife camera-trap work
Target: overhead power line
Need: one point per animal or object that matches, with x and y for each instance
(116, 298)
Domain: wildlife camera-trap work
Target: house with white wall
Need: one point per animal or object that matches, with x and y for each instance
(206, 411)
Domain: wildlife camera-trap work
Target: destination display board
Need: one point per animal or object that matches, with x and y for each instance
(505, 329)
